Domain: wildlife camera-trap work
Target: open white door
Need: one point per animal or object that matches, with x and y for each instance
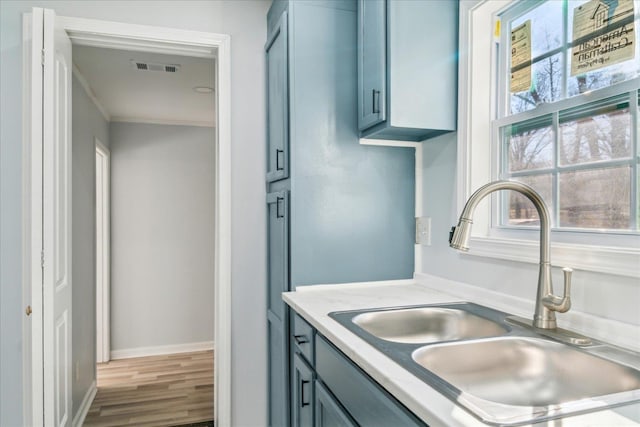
(56, 203)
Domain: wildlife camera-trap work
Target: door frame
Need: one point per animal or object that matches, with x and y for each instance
(103, 253)
(132, 37)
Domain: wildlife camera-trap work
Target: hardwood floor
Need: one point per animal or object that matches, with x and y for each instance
(154, 391)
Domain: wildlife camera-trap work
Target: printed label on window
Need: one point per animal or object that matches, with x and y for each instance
(521, 57)
(603, 35)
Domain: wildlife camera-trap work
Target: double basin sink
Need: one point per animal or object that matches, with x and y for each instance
(499, 369)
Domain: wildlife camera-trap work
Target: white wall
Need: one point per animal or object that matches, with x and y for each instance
(245, 21)
(608, 296)
(88, 124)
(162, 235)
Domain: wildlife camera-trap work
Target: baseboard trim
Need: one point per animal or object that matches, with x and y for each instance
(78, 420)
(161, 349)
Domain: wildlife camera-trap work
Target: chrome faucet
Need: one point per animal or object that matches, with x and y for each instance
(546, 302)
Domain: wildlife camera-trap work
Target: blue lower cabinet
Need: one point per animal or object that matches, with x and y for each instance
(329, 390)
(277, 371)
(302, 401)
(365, 400)
(329, 413)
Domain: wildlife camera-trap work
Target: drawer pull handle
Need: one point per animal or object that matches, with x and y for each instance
(278, 213)
(302, 399)
(278, 153)
(301, 339)
(375, 98)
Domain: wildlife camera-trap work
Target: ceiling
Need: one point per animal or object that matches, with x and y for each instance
(128, 94)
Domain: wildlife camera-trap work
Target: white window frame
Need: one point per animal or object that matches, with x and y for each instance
(477, 163)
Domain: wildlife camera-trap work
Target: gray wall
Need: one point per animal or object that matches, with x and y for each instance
(88, 124)
(245, 21)
(162, 235)
(608, 296)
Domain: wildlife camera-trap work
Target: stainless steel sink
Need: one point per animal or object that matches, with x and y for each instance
(427, 325)
(499, 368)
(528, 372)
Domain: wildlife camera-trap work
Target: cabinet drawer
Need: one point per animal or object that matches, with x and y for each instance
(368, 403)
(303, 337)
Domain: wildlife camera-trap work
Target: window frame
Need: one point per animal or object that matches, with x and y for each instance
(478, 162)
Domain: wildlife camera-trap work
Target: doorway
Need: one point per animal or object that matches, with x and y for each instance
(103, 252)
(49, 403)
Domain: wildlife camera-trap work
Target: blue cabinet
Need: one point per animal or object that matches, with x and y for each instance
(407, 51)
(276, 60)
(366, 401)
(302, 373)
(329, 413)
(338, 211)
(372, 54)
(277, 315)
(343, 394)
(302, 401)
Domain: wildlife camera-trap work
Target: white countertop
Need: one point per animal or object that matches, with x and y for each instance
(314, 303)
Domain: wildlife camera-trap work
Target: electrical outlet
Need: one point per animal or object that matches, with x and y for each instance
(423, 231)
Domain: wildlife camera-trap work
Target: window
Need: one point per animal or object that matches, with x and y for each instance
(549, 95)
(565, 120)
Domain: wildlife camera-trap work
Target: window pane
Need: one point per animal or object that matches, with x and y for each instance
(529, 145)
(546, 85)
(546, 27)
(521, 211)
(595, 135)
(597, 50)
(596, 198)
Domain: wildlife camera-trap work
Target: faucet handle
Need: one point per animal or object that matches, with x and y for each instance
(556, 303)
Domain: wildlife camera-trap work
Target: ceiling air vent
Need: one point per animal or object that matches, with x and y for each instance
(154, 66)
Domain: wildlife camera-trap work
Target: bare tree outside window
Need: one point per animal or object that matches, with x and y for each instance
(587, 156)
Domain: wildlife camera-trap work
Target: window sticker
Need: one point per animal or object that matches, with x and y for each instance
(603, 35)
(521, 57)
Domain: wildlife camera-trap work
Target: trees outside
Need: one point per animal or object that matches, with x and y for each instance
(595, 197)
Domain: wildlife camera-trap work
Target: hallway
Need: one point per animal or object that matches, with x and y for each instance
(169, 390)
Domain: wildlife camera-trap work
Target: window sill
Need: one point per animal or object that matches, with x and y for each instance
(601, 259)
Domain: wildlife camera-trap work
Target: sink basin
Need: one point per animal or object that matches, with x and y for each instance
(528, 373)
(427, 325)
(503, 373)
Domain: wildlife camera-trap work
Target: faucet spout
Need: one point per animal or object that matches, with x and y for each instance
(546, 302)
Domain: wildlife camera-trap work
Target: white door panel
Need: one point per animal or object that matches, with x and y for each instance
(57, 281)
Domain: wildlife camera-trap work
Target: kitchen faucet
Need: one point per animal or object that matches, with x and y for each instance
(546, 302)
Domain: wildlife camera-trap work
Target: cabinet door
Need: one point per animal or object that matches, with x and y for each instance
(372, 55)
(329, 413)
(278, 252)
(278, 377)
(301, 393)
(277, 102)
(277, 322)
(365, 400)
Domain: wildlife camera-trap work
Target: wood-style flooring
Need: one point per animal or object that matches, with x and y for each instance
(155, 391)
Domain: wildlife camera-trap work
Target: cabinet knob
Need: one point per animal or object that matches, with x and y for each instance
(28, 310)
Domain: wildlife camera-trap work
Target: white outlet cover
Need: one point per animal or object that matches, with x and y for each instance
(423, 231)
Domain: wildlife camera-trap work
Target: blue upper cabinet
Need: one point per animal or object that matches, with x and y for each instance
(277, 101)
(372, 57)
(407, 68)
